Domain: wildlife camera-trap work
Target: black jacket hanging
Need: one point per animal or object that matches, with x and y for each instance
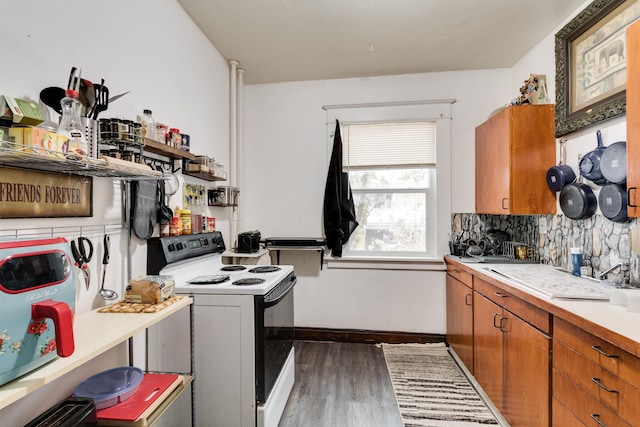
(339, 210)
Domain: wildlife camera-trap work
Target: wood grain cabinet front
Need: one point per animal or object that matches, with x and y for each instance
(608, 374)
(512, 355)
(514, 150)
(460, 320)
(633, 119)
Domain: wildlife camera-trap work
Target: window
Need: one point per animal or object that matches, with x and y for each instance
(394, 171)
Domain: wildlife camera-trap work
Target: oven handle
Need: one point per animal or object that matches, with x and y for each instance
(270, 301)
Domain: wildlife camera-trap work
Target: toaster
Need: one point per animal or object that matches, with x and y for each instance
(37, 300)
(248, 242)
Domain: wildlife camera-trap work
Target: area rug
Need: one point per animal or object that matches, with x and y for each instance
(430, 388)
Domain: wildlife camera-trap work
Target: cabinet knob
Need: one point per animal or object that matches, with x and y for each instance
(602, 352)
(466, 299)
(629, 198)
(497, 326)
(596, 418)
(602, 386)
(503, 203)
(500, 295)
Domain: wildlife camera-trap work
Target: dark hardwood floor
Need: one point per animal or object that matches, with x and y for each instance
(340, 384)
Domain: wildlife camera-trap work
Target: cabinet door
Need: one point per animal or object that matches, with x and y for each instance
(460, 320)
(493, 165)
(487, 347)
(633, 119)
(527, 354)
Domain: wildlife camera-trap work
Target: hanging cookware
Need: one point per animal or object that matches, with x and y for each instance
(590, 164)
(613, 202)
(613, 163)
(577, 200)
(491, 243)
(562, 174)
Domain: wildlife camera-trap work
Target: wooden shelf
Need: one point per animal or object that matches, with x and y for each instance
(164, 150)
(89, 343)
(203, 175)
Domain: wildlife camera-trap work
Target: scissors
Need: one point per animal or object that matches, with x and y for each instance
(82, 254)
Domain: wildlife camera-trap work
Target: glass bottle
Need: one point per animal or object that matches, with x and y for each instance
(71, 126)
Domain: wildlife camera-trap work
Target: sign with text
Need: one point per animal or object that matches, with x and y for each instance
(34, 194)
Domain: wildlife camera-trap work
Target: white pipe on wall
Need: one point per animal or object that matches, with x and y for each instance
(240, 180)
(233, 142)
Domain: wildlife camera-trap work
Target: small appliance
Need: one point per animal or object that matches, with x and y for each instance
(37, 299)
(248, 242)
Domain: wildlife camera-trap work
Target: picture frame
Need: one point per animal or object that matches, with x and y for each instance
(590, 56)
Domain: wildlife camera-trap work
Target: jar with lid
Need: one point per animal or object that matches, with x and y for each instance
(174, 139)
(148, 128)
(185, 216)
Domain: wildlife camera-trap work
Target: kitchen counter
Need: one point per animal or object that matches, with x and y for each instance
(612, 323)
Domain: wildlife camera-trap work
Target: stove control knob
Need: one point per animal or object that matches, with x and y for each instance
(179, 246)
(171, 247)
(205, 242)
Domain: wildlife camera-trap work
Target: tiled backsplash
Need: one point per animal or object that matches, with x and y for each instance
(604, 243)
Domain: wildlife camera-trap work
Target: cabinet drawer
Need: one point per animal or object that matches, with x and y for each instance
(612, 391)
(562, 417)
(460, 274)
(527, 312)
(581, 404)
(608, 356)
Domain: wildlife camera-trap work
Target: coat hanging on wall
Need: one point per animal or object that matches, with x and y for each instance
(339, 210)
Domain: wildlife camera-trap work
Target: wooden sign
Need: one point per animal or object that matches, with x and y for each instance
(34, 194)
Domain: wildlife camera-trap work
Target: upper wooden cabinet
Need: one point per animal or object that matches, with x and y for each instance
(633, 119)
(514, 150)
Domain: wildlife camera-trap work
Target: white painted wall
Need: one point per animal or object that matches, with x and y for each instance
(286, 162)
(153, 49)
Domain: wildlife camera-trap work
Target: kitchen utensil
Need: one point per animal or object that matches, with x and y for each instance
(71, 412)
(72, 76)
(613, 163)
(577, 200)
(613, 202)
(82, 253)
(51, 97)
(106, 294)
(110, 387)
(590, 164)
(474, 250)
(113, 98)
(164, 212)
(87, 96)
(102, 101)
(37, 297)
(491, 243)
(562, 174)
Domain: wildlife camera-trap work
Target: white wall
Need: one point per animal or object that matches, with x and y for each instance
(286, 163)
(153, 49)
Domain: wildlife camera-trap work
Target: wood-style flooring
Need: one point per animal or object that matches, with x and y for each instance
(340, 384)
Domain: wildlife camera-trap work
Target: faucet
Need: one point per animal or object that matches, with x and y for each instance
(621, 265)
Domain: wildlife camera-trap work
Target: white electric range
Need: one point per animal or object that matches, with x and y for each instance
(243, 330)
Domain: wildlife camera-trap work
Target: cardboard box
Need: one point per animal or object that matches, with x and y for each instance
(40, 141)
(23, 111)
(150, 289)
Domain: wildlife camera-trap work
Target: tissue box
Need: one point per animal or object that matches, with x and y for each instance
(40, 141)
(150, 289)
(23, 111)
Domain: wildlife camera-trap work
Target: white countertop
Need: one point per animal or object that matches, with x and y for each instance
(600, 314)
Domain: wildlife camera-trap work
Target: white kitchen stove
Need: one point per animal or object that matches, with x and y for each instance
(243, 332)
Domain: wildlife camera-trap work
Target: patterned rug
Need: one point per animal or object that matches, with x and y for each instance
(430, 388)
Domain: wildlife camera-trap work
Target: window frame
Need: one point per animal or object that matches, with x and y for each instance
(429, 110)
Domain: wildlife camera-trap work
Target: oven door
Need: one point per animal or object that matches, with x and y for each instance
(274, 334)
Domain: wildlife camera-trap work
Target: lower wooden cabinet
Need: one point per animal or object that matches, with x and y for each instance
(595, 377)
(511, 359)
(460, 320)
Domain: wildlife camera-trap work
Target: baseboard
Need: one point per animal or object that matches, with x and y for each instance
(368, 337)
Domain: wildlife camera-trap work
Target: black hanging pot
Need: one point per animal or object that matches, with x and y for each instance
(613, 163)
(560, 175)
(613, 202)
(577, 200)
(590, 164)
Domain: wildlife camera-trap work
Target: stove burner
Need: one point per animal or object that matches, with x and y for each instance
(249, 281)
(265, 269)
(233, 268)
(209, 280)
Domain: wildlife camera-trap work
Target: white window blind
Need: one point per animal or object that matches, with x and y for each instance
(389, 144)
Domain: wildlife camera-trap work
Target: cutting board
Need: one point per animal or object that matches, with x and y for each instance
(154, 389)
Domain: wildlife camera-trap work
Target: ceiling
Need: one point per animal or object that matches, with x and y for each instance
(290, 40)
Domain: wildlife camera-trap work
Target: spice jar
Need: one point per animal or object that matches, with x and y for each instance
(185, 216)
(175, 226)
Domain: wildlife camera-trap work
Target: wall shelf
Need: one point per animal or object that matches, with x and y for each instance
(88, 345)
(156, 147)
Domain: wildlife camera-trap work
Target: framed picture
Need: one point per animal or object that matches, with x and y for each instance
(591, 65)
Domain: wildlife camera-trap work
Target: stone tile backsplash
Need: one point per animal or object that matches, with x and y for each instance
(604, 243)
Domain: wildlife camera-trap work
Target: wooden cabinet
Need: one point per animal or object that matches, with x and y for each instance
(512, 353)
(460, 314)
(633, 119)
(514, 150)
(594, 379)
